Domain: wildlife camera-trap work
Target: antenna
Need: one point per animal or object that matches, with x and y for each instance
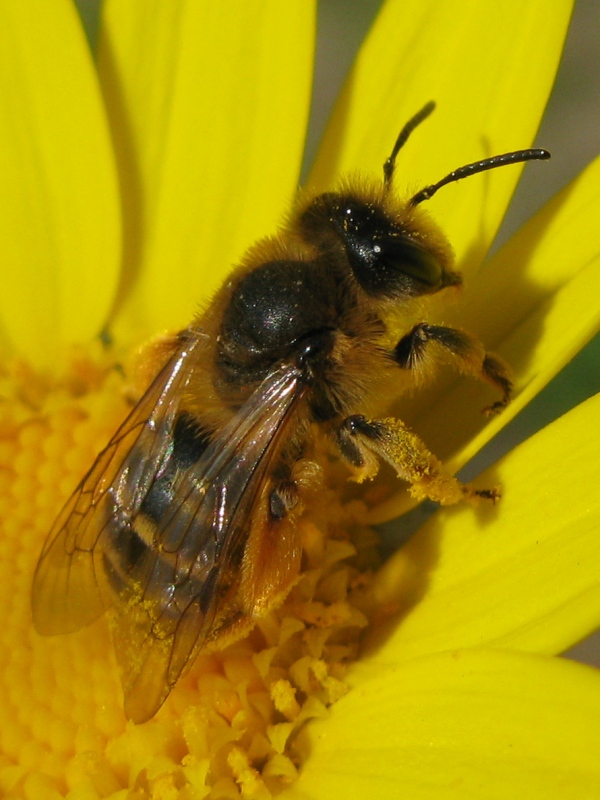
(479, 166)
(389, 165)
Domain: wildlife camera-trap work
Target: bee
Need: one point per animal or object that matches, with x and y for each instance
(186, 526)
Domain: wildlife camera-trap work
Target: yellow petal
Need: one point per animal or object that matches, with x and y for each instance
(467, 724)
(209, 110)
(536, 305)
(488, 66)
(59, 211)
(521, 574)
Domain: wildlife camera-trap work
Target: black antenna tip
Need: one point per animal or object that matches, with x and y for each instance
(515, 157)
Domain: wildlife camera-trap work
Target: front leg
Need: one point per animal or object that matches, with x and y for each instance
(363, 442)
(411, 352)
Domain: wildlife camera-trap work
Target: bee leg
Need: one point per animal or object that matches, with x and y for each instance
(283, 499)
(363, 442)
(273, 552)
(412, 350)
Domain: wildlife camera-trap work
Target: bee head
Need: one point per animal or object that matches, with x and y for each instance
(393, 249)
(392, 252)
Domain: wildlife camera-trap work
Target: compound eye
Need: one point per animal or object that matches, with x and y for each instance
(394, 266)
(414, 261)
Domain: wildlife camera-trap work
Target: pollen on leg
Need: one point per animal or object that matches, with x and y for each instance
(391, 440)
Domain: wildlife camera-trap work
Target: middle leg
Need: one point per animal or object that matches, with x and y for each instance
(411, 352)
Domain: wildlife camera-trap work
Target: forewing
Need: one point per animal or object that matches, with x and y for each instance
(70, 588)
(182, 587)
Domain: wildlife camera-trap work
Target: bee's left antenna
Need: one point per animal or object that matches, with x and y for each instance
(390, 163)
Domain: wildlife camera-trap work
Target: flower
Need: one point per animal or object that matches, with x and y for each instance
(128, 189)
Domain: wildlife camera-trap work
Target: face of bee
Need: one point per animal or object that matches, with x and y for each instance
(382, 246)
(186, 527)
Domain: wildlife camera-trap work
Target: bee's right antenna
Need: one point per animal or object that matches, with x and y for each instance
(479, 166)
(388, 167)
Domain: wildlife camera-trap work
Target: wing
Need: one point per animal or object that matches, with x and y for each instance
(69, 586)
(180, 591)
(160, 541)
